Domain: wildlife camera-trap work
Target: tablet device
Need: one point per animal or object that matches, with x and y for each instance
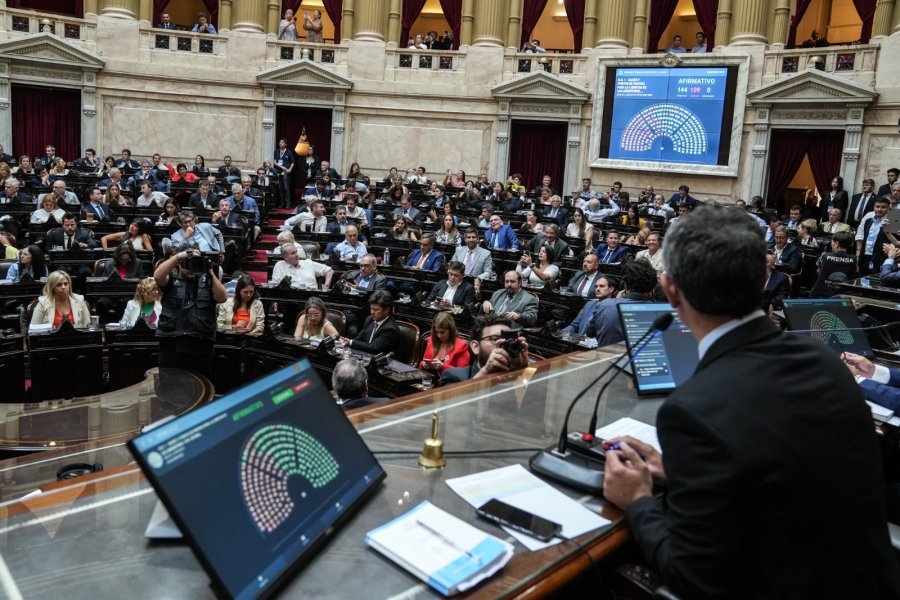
(833, 321)
(258, 480)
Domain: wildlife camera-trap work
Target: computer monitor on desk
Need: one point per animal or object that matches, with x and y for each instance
(832, 321)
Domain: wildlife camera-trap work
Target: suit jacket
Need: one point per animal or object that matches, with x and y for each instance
(576, 280)
(378, 282)
(434, 262)
(135, 268)
(883, 190)
(45, 311)
(792, 257)
(616, 256)
(676, 200)
(560, 246)
(482, 262)
(101, 213)
(386, 339)
(748, 452)
(850, 217)
(504, 238)
(522, 302)
(884, 394)
(774, 291)
(463, 296)
(562, 215)
(841, 201)
(20, 197)
(196, 203)
(56, 237)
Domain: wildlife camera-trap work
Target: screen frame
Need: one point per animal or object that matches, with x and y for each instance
(856, 329)
(735, 101)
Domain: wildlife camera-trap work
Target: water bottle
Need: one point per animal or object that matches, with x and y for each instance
(386, 257)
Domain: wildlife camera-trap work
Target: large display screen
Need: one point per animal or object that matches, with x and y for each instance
(671, 115)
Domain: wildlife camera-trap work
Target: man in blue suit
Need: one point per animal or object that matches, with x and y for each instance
(604, 288)
(611, 252)
(500, 235)
(426, 258)
(879, 384)
(242, 203)
(682, 198)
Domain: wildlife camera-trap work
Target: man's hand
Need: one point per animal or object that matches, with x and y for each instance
(648, 453)
(858, 365)
(513, 316)
(627, 478)
(486, 306)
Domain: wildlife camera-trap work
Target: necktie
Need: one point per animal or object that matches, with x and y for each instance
(469, 263)
(861, 209)
(502, 308)
(606, 256)
(421, 261)
(582, 285)
(99, 210)
(68, 241)
(553, 213)
(374, 331)
(494, 240)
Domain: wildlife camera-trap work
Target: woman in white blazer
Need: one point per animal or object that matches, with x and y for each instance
(243, 312)
(58, 303)
(145, 304)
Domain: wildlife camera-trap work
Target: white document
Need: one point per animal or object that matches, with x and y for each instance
(634, 428)
(516, 486)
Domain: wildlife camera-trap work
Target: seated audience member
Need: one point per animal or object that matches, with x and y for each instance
(165, 22)
(203, 198)
(444, 348)
(638, 281)
(407, 210)
(426, 258)
(126, 162)
(489, 355)
(835, 266)
(478, 262)
(500, 235)
(145, 173)
(793, 218)
(243, 312)
(64, 197)
(137, 234)
(545, 183)
(227, 170)
(743, 471)
(540, 272)
(312, 220)
(889, 273)
(313, 325)
(287, 237)
(654, 252)
(145, 304)
(11, 193)
(70, 236)
(512, 302)
(203, 25)
(638, 238)
(611, 251)
(676, 47)
(556, 211)
(700, 48)
(351, 249)
(582, 283)
(484, 220)
(786, 253)
(226, 217)
(584, 194)
(379, 334)
(351, 385)
(579, 228)
(682, 198)
(805, 232)
(202, 236)
(659, 208)
(95, 209)
(684, 210)
(30, 262)
(776, 285)
(59, 303)
(455, 291)
(530, 224)
(448, 233)
(834, 223)
(302, 273)
(125, 263)
(113, 198)
(362, 216)
(48, 209)
(149, 197)
(605, 287)
(41, 179)
(549, 236)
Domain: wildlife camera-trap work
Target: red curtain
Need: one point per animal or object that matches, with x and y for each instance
(159, 7)
(335, 10)
(212, 7)
(786, 152)
(707, 15)
(866, 11)
(294, 5)
(575, 14)
(43, 116)
(531, 15)
(550, 137)
(802, 5)
(661, 12)
(289, 120)
(825, 151)
(74, 8)
(408, 15)
(453, 13)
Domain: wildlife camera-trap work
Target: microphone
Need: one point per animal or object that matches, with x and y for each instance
(579, 470)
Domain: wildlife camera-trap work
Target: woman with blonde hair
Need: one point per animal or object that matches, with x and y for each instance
(805, 233)
(243, 312)
(145, 304)
(313, 324)
(114, 198)
(444, 348)
(58, 303)
(49, 208)
(639, 238)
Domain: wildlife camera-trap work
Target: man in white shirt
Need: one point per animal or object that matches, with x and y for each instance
(303, 273)
(351, 249)
(653, 254)
(311, 220)
(149, 197)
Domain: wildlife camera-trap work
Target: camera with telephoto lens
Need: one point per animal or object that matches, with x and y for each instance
(511, 342)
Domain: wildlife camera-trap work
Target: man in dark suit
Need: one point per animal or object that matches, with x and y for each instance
(351, 385)
(885, 188)
(582, 283)
(325, 169)
(406, 209)
(748, 458)
(557, 212)
(126, 162)
(611, 251)
(776, 287)
(682, 198)
(862, 203)
(204, 198)
(550, 237)
(786, 253)
(426, 258)
(11, 193)
(366, 278)
(166, 22)
(95, 206)
(70, 236)
(379, 333)
(460, 291)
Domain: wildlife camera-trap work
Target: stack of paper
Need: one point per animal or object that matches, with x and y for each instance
(448, 554)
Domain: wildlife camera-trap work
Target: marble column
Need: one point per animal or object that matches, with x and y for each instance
(466, 26)
(273, 17)
(370, 22)
(615, 24)
(749, 23)
(395, 27)
(895, 22)
(348, 14)
(723, 23)
(145, 10)
(782, 23)
(514, 25)
(249, 15)
(490, 24)
(119, 8)
(639, 34)
(762, 132)
(590, 25)
(884, 10)
(90, 7)
(822, 22)
(225, 15)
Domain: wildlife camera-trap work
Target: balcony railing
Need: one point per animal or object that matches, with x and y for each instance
(569, 66)
(78, 31)
(279, 53)
(854, 61)
(165, 41)
(447, 61)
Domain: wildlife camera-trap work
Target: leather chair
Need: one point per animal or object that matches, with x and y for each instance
(338, 319)
(408, 349)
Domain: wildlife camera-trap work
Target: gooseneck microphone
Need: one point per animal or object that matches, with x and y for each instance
(581, 471)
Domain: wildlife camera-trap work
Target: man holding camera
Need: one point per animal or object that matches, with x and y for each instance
(187, 325)
(496, 349)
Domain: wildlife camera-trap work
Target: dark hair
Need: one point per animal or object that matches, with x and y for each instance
(551, 254)
(717, 258)
(843, 239)
(382, 298)
(482, 322)
(894, 170)
(455, 265)
(639, 276)
(473, 230)
(613, 282)
(38, 266)
(243, 281)
(840, 181)
(123, 249)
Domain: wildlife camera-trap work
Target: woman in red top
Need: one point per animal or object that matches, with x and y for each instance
(58, 303)
(444, 349)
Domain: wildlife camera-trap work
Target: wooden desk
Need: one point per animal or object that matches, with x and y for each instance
(98, 522)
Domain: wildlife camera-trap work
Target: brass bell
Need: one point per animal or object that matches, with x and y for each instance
(433, 453)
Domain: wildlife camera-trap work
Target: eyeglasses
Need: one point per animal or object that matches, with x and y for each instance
(491, 339)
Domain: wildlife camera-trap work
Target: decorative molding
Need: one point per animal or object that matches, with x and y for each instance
(45, 47)
(540, 85)
(813, 87)
(307, 74)
(670, 60)
(802, 114)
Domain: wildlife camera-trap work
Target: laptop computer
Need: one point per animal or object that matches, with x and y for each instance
(833, 321)
(258, 480)
(668, 359)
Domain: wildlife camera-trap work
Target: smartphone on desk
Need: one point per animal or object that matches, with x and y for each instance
(520, 520)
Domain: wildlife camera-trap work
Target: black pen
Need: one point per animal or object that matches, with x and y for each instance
(446, 540)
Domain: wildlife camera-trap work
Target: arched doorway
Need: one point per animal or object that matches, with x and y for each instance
(289, 120)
